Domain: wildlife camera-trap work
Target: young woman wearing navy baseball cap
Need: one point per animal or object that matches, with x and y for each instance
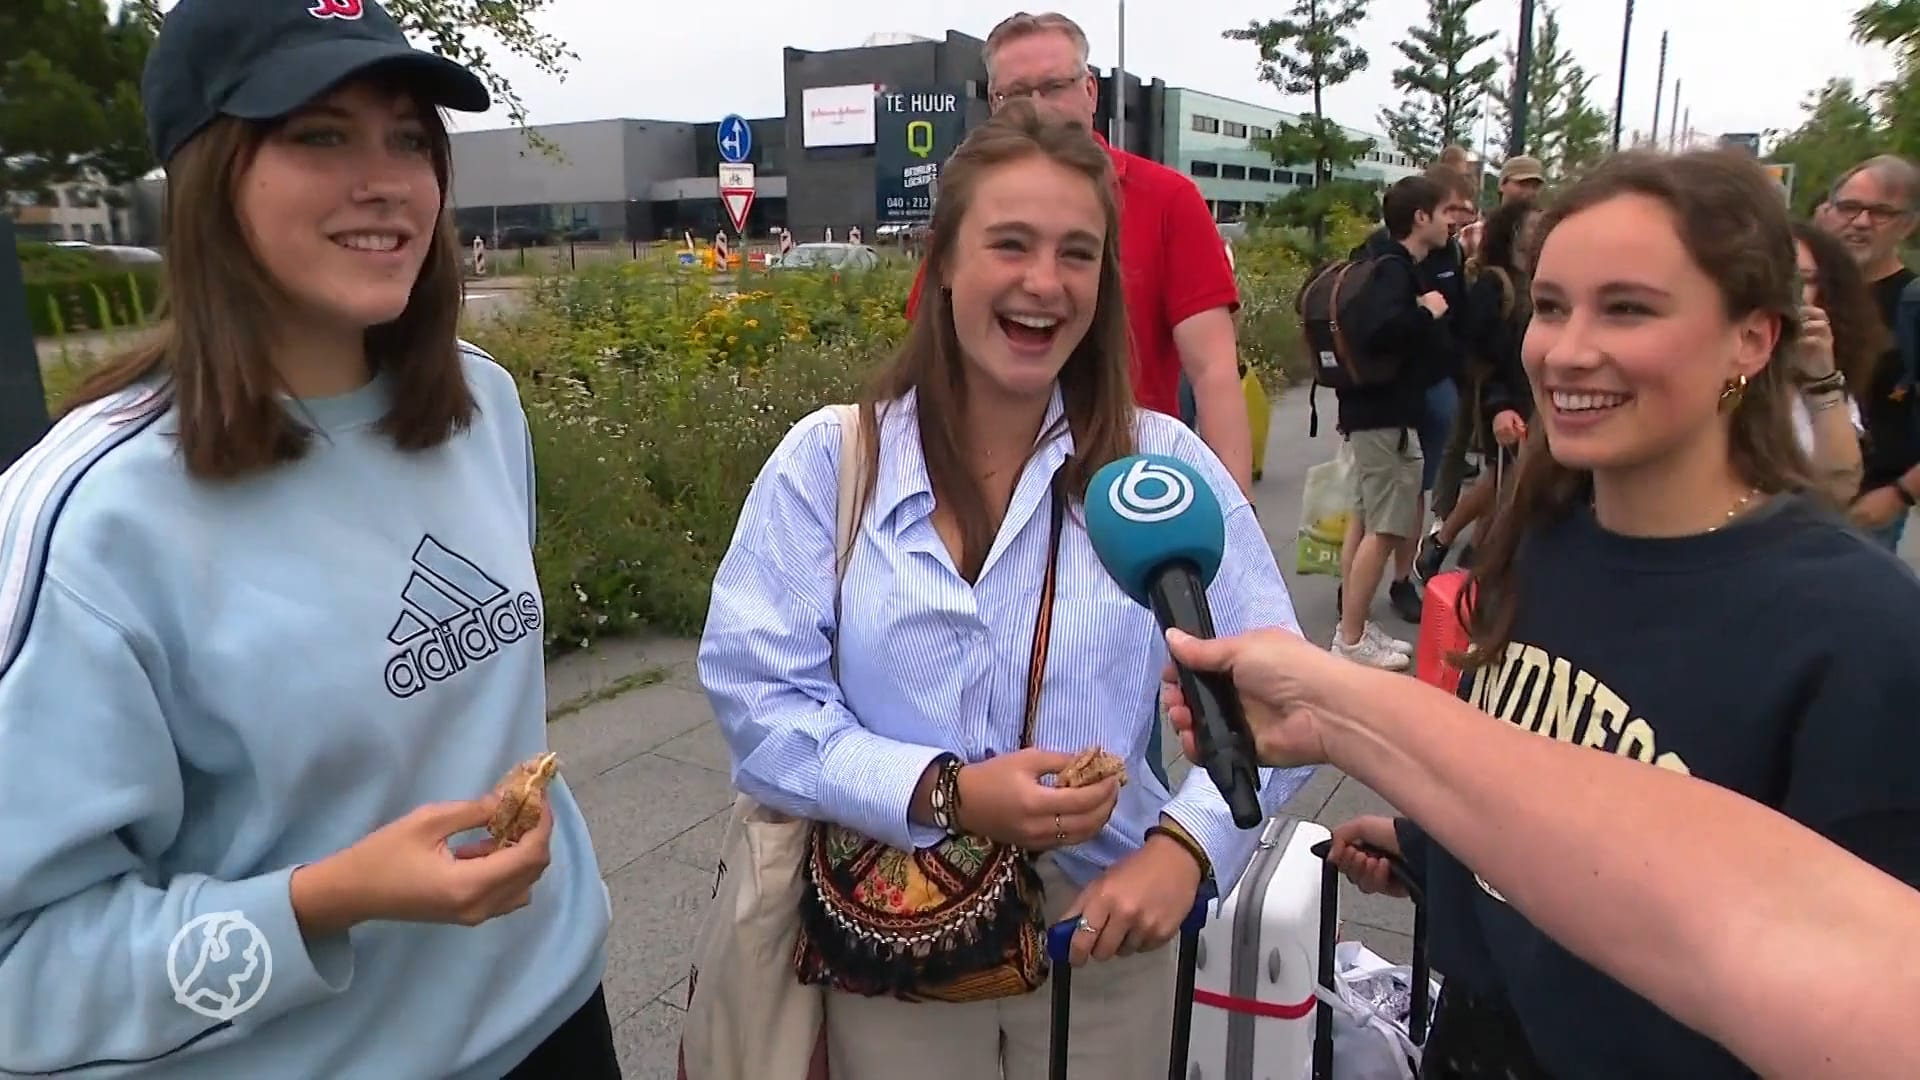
(270, 630)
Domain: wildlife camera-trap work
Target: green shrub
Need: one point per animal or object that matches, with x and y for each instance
(39, 260)
(96, 299)
(654, 402)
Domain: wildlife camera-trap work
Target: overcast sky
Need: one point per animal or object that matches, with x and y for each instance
(1747, 64)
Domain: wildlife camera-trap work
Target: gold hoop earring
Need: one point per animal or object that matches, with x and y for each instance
(1735, 393)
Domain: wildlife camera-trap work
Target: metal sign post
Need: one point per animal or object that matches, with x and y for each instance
(736, 194)
(23, 397)
(735, 137)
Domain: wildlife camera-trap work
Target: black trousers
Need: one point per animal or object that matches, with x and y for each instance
(1476, 1038)
(581, 1049)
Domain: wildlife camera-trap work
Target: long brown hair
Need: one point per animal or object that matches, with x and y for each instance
(219, 304)
(1094, 384)
(1860, 335)
(1734, 224)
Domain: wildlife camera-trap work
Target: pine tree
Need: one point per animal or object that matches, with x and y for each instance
(1444, 83)
(1306, 54)
(1566, 131)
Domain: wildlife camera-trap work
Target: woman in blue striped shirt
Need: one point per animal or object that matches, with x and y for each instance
(979, 646)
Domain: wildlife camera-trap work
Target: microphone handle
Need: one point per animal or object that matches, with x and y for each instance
(1220, 731)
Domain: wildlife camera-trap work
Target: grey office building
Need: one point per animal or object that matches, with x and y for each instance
(606, 180)
(836, 170)
(863, 126)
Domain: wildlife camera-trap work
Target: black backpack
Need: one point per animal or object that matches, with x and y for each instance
(1327, 307)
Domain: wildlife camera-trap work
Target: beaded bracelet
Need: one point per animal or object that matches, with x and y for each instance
(1178, 835)
(946, 797)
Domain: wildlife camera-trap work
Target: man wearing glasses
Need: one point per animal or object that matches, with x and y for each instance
(1180, 289)
(1873, 211)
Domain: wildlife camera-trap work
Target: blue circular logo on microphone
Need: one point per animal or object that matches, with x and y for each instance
(1149, 492)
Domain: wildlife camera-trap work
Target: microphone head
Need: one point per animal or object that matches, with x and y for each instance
(1148, 510)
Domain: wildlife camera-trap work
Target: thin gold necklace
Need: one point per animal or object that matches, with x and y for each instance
(1745, 501)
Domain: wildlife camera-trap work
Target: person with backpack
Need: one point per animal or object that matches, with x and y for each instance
(1373, 326)
(1443, 270)
(1499, 398)
(1874, 209)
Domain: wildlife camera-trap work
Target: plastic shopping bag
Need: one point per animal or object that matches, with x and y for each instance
(1325, 507)
(1371, 1039)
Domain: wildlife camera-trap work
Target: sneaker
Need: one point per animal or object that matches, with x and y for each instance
(1370, 652)
(1387, 641)
(1405, 600)
(1432, 555)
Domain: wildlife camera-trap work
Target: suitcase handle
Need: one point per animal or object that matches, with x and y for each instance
(1060, 934)
(1329, 915)
(1396, 867)
(1060, 947)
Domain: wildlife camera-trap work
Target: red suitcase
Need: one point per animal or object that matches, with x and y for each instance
(1441, 631)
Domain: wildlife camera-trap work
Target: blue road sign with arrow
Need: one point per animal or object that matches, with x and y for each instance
(736, 139)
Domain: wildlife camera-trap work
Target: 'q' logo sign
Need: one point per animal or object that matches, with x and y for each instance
(1150, 493)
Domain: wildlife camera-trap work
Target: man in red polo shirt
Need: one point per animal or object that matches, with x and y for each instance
(1180, 291)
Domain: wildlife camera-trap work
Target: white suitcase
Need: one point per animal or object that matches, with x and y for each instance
(1254, 1005)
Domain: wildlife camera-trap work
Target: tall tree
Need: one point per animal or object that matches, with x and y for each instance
(1566, 130)
(70, 95)
(1896, 25)
(1582, 129)
(1837, 131)
(1443, 80)
(458, 29)
(1304, 55)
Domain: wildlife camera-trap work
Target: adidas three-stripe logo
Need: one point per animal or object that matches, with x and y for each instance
(453, 615)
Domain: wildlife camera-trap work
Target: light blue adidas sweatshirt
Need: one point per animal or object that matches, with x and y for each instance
(205, 685)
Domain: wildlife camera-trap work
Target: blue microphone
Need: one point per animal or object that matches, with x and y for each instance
(1157, 528)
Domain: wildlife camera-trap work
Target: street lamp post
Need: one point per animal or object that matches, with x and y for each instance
(1522, 74)
(1620, 94)
(1119, 136)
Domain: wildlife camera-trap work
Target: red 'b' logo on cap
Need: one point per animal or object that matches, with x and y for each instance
(335, 9)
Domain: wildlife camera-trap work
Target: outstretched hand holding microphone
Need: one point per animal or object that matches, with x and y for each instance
(1520, 809)
(1158, 529)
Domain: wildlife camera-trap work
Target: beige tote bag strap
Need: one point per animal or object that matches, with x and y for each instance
(853, 466)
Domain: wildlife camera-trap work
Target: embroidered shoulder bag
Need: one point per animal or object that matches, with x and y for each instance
(959, 921)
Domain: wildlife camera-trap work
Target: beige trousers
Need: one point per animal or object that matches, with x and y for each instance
(1122, 1021)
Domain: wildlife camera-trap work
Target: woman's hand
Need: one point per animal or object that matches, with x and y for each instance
(1508, 428)
(1367, 869)
(1878, 508)
(1275, 672)
(1137, 905)
(406, 872)
(1003, 800)
(1813, 359)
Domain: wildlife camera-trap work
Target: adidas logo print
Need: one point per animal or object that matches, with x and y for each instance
(453, 615)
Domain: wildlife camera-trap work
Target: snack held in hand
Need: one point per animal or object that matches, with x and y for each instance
(523, 795)
(1092, 766)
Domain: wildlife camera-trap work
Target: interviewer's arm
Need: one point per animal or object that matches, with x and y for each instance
(1734, 919)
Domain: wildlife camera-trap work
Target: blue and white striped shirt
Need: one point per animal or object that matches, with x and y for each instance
(930, 664)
